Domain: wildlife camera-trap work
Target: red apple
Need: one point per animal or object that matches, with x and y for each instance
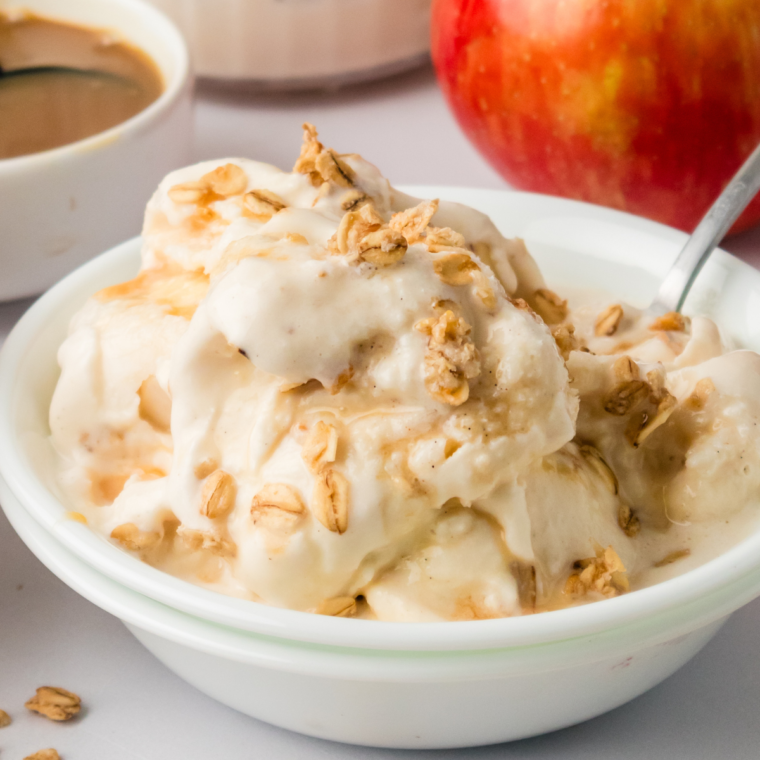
(644, 105)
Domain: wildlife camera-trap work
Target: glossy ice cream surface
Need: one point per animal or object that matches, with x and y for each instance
(323, 394)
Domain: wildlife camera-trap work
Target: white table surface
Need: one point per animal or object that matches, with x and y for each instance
(135, 708)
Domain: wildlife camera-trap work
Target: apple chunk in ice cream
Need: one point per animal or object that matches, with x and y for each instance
(323, 394)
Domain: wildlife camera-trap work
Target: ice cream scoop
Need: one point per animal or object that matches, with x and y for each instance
(326, 395)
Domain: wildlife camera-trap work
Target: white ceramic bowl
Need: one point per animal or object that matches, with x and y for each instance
(391, 684)
(63, 206)
(385, 698)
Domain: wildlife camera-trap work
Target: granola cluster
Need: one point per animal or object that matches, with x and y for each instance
(603, 574)
(451, 359)
(322, 165)
(363, 236)
(53, 703)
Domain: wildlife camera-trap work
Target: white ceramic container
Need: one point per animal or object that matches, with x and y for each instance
(293, 44)
(389, 684)
(386, 698)
(63, 206)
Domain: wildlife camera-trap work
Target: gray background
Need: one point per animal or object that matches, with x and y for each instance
(135, 708)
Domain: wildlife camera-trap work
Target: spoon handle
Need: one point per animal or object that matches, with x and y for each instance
(709, 232)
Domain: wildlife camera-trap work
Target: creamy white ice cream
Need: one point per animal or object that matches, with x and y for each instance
(326, 395)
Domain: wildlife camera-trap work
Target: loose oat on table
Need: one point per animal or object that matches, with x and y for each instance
(55, 703)
(44, 754)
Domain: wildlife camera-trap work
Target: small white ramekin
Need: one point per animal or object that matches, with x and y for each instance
(294, 44)
(392, 684)
(61, 207)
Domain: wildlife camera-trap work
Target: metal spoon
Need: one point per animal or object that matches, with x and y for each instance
(31, 70)
(709, 232)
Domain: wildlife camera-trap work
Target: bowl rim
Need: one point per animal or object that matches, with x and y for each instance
(173, 41)
(719, 574)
